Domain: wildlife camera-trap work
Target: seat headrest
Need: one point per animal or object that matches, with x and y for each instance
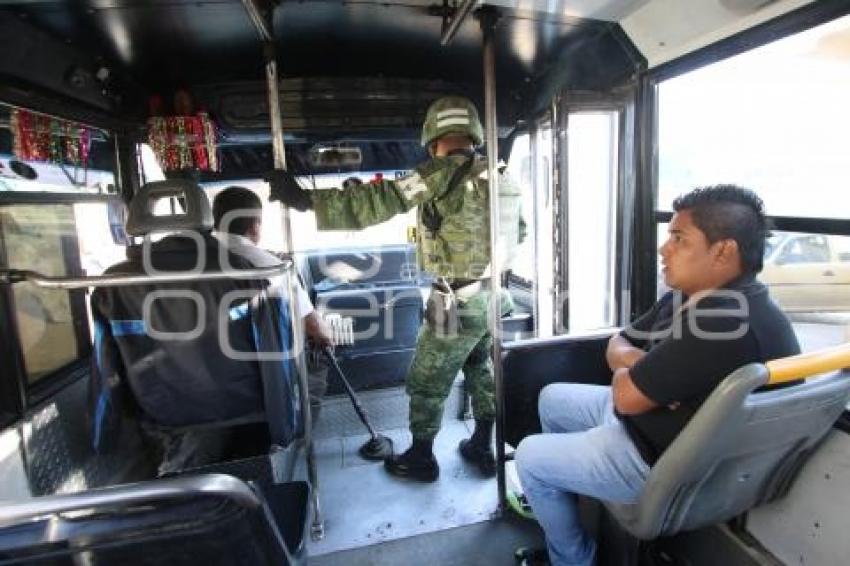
(197, 216)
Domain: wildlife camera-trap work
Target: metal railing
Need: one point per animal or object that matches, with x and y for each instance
(11, 276)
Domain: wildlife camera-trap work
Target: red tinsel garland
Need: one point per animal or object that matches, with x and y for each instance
(36, 137)
(184, 142)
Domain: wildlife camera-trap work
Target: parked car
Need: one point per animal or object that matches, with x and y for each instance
(808, 272)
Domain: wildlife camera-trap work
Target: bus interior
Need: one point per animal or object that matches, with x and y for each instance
(603, 112)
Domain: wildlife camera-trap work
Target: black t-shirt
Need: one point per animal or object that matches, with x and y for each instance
(691, 349)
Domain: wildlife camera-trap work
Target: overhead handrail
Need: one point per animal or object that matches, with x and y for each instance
(459, 17)
(810, 363)
(259, 21)
(11, 276)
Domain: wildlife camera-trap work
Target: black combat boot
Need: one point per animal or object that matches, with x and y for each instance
(418, 463)
(478, 449)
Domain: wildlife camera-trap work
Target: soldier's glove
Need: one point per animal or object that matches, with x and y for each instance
(285, 188)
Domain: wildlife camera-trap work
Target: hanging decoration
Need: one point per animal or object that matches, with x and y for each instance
(36, 137)
(188, 140)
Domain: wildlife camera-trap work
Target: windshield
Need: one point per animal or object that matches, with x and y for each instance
(305, 235)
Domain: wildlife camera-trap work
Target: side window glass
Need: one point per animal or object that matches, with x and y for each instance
(521, 261)
(50, 322)
(816, 249)
(55, 239)
(841, 245)
(305, 235)
(810, 249)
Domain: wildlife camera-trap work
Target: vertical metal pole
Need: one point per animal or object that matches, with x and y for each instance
(555, 183)
(561, 202)
(534, 173)
(488, 26)
(317, 528)
(626, 208)
(645, 230)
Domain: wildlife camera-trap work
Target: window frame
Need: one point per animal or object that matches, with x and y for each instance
(13, 378)
(625, 105)
(17, 393)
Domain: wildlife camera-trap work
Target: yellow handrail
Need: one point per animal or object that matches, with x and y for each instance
(808, 364)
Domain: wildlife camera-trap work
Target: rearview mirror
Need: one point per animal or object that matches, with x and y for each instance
(335, 156)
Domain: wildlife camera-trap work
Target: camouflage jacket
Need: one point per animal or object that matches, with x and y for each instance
(460, 247)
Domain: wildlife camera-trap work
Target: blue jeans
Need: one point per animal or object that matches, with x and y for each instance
(584, 449)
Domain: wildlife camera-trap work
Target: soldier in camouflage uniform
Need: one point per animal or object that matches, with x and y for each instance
(453, 227)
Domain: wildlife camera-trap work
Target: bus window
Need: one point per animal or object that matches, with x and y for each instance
(101, 237)
(305, 235)
(519, 169)
(806, 275)
(55, 239)
(393, 231)
(43, 238)
(773, 119)
(592, 185)
(271, 235)
(532, 265)
(55, 220)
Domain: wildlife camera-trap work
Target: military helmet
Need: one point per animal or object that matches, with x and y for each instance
(452, 115)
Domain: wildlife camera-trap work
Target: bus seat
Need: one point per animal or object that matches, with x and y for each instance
(189, 381)
(530, 365)
(203, 519)
(743, 447)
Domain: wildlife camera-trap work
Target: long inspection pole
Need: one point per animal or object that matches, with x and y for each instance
(264, 29)
(488, 18)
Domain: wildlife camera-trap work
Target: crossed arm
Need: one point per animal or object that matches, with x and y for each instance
(621, 356)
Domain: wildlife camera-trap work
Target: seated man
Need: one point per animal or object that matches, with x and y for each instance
(159, 345)
(237, 213)
(601, 441)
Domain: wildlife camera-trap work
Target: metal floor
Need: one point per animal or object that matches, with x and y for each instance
(362, 505)
(491, 543)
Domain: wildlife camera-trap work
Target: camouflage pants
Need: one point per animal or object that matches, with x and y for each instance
(440, 355)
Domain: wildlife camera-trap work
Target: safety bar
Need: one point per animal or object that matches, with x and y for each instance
(810, 363)
(221, 485)
(126, 279)
(259, 21)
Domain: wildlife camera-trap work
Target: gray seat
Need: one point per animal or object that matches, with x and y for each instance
(742, 448)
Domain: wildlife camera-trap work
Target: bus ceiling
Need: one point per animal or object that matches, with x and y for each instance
(347, 66)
